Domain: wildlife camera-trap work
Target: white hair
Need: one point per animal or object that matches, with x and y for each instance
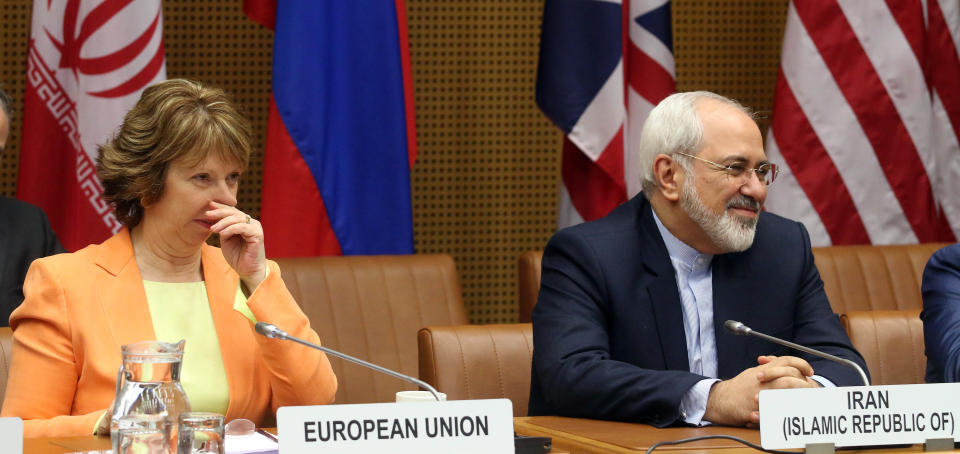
(672, 126)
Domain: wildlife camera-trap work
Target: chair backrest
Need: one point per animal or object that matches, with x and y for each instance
(865, 278)
(371, 307)
(528, 283)
(6, 350)
(892, 344)
(855, 278)
(479, 361)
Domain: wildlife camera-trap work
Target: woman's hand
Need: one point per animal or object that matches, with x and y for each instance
(241, 240)
(103, 424)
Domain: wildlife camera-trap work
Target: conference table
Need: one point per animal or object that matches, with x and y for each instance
(570, 435)
(60, 445)
(576, 435)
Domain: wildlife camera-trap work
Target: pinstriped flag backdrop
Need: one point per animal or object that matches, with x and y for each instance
(866, 119)
(603, 66)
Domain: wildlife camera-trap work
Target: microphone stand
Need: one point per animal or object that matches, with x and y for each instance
(740, 329)
(273, 332)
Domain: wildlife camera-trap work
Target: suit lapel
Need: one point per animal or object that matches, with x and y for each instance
(669, 322)
(221, 283)
(121, 293)
(663, 293)
(731, 301)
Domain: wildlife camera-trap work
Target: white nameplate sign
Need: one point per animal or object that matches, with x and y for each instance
(461, 426)
(11, 432)
(859, 415)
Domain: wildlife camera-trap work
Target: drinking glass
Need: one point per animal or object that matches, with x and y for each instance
(144, 434)
(200, 433)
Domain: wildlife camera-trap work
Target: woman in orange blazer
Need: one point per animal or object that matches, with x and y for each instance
(171, 173)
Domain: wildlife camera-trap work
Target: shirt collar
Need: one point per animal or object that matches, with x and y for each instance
(681, 253)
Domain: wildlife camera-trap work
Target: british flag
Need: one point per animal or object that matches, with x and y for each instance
(603, 66)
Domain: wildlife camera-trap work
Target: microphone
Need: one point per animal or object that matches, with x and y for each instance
(740, 329)
(273, 332)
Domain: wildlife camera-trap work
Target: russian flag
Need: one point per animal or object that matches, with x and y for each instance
(341, 138)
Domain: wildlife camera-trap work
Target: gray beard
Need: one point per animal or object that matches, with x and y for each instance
(729, 232)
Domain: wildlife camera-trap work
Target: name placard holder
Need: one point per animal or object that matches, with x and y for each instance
(820, 448)
(860, 416)
(461, 426)
(11, 432)
(938, 444)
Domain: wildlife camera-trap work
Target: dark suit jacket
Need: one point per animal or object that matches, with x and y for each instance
(608, 329)
(25, 235)
(941, 315)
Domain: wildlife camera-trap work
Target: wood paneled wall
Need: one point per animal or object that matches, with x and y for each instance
(485, 182)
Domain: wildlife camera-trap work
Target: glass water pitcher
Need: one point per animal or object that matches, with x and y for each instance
(148, 383)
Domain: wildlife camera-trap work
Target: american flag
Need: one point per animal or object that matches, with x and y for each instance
(866, 119)
(603, 66)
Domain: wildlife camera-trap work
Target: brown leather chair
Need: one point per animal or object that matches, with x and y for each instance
(864, 278)
(6, 350)
(892, 344)
(371, 307)
(855, 278)
(479, 361)
(528, 283)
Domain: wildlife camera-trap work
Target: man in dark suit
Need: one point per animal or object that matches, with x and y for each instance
(629, 322)
(25, 233)
(941, 315)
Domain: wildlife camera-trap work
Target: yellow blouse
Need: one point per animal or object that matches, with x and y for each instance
(180, 310)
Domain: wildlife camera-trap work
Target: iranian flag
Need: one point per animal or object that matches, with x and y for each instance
(87, 63)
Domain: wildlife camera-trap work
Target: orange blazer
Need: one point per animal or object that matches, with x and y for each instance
(80, 308)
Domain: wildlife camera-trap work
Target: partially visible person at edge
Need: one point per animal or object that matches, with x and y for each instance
(629, 321)
(171, 174)
(941, 315)
(25, 233)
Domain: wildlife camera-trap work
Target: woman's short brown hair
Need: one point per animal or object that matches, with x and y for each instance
(173, 120)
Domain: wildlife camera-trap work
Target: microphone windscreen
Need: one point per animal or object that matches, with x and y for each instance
(263, 329)
(734, 327)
